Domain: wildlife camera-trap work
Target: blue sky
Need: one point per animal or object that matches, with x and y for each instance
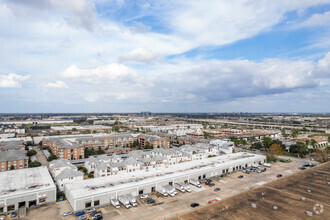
(164, 56)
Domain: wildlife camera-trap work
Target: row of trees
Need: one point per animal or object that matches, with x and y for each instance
(90, 152)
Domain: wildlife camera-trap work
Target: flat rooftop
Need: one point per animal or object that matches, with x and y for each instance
(86, 188)
(16, 182)
(284, 193)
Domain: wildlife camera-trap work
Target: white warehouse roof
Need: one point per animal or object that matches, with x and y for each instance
(97, 186)
(17, 182)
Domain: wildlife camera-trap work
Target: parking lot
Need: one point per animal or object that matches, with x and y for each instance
(167, 207)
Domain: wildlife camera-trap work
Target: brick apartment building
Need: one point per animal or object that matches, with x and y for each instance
(107, 142)
(65, 149)
(15, 158)
(154, 141)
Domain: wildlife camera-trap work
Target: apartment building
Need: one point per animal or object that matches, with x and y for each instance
(154, 141)
(16, 159)
(106, 142)
(65, 149)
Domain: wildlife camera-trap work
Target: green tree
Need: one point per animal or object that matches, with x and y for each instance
(299, 148)
(35, 164)
(313, 143)
(90, 175)
(256, 145)
(253, 139)
(294, 133)
(52, 157)
(267, 141)
(31, 153)
(85, 170)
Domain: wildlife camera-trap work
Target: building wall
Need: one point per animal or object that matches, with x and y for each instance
(104, 198)
(50, 196)
(18, 164)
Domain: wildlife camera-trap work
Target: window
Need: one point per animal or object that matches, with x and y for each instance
(88, 204)
(1, 209)
(42, 200)
(97, 202)
(11, 208)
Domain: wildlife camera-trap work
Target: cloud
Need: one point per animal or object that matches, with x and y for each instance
(56, 85)
(12, 80)
(101, 74)
(79, 13)
(317, 20)
(140, 55)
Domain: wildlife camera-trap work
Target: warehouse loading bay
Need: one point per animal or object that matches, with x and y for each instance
(169, 207)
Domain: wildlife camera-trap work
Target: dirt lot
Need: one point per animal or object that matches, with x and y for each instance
(168, 207)
(286, 194)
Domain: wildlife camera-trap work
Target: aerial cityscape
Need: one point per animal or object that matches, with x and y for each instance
(176, 110)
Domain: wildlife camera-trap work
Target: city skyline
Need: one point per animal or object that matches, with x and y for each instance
(164, 56)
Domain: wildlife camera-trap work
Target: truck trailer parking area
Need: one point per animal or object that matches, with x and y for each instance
(167, 207)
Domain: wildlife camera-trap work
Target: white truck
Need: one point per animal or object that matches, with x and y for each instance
(132, 200)
(115, 203)
(195, 183)
(186, 187)
(162, 191)
(124, 200)
(179, 187)
(170, 190)
(267, 165)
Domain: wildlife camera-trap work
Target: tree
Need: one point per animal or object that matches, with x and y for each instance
(294, 133)
(35, 164)
(284, 134)
(31, 153)
(299, 148)
(267, 141)
(12, 167)
(321, 155)
(90, 175)
(52, 157)
(256, 145)
(74, 129)
(85, 170)
(253, 139)
(313, 143)
(275, 149)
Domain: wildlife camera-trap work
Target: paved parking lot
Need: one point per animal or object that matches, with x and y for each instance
(167, 207)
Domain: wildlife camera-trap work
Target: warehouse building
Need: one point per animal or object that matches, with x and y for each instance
(26, 188)
(98, 192)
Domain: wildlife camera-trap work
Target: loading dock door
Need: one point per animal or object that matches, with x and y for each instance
(153, 189)
(170, 183)
(140, 192)
(32, 203)
(21, 204)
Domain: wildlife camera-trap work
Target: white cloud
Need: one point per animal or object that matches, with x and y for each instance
(56, 85)
(79, 13)
(12, 80)
(101, 74)
(317, 20)
(140, 55)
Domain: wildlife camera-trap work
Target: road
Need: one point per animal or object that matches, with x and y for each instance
(41, 158)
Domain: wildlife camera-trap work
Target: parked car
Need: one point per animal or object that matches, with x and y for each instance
(279, 175)
(67, 213)
(82, 218)
(13, 215)
(194, 204)
(211, 184)
(302, 168)
(150, 200)
(80, 213)
(216, 189)
(144, 196)
(90, 210)
(240, 176)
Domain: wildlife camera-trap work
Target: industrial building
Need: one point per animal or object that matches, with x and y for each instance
(98, 192)
(26, 188)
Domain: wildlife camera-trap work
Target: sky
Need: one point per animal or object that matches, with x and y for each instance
(164, 56)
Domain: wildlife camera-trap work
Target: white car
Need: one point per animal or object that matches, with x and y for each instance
(144, 196)
(67, 213)
(90, 210)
